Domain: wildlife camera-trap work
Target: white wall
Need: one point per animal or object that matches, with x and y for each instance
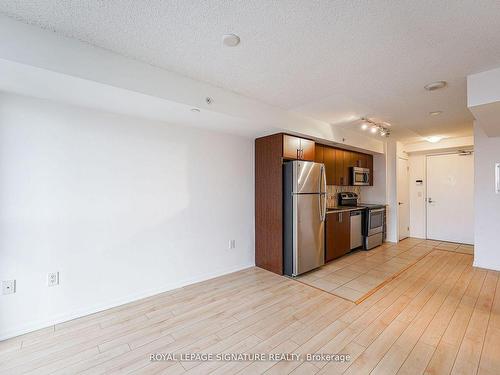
(417, 165)
(378, 192)
(392, 149)
(384, 189)
(121, 207)
(487, 203)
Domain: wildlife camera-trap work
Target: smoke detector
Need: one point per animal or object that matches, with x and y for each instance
(230, 40)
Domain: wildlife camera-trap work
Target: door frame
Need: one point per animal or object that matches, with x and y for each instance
(407, 188)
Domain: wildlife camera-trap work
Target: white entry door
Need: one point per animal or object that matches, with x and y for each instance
(450, 198)
(403, 201)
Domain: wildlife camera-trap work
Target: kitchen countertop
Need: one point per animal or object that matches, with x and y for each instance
(343, 209)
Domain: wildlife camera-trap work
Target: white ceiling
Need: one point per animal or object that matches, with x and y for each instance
(331, 60)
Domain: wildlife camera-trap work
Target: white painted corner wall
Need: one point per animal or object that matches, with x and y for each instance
(486, 201)
(122, 207)
(483, 100)
(392, 152)
(418, 195)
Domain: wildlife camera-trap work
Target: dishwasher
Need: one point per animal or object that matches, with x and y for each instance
(356, 235)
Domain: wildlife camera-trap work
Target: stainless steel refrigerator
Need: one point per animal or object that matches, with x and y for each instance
(304, 210)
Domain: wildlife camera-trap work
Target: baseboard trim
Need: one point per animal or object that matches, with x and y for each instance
(486, 267)
(27, 328)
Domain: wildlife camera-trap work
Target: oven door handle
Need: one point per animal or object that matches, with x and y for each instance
(377, 210)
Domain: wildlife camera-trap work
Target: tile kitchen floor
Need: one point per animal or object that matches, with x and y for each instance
(358, 274)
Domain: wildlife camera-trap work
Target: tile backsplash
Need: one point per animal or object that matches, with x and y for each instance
(333, 190)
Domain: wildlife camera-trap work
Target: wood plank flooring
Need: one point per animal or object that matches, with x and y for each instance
(359, 273)
(440, 316)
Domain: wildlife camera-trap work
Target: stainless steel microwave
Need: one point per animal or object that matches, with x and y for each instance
(360, 176)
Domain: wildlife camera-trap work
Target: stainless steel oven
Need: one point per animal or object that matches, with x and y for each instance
(360, 176)
(373, 230)
(375, 220)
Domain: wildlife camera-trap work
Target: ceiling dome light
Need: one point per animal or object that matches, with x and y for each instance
(195, 110)
(435, 85)
(435, 113)
(364, 126)
(374, 129)
(434, 139)
(230, 40)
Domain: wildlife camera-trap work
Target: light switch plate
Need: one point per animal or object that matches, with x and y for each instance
(8, 286)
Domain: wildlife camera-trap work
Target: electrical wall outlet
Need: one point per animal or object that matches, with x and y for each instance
(232, 244)
(8, 286)
(53, 279)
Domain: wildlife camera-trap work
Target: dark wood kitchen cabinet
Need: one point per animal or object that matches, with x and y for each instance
(337, 235)
(318, 153)
(298, 148)
(270, 152)
(269, 203)
(342, 162)
(329, 160)
(360, 160)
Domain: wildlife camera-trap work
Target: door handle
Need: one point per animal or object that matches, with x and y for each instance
(430, 200)
(400, 203)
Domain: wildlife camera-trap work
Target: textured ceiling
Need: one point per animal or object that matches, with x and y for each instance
(331, 60)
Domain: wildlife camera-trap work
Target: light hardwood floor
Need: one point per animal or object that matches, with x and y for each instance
(358, 274)
(440, 316)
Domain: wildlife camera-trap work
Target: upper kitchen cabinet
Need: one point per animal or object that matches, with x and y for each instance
(342, 164)
(298, 148)
(329, 161)
(318, 153)
(360, 160)
(339, 166)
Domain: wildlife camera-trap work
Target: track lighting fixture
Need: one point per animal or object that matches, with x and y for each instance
(375, 127)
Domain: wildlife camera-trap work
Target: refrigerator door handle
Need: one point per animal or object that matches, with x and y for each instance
(324, 206)
(320, 207)
(323, 174)
(322, 193)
